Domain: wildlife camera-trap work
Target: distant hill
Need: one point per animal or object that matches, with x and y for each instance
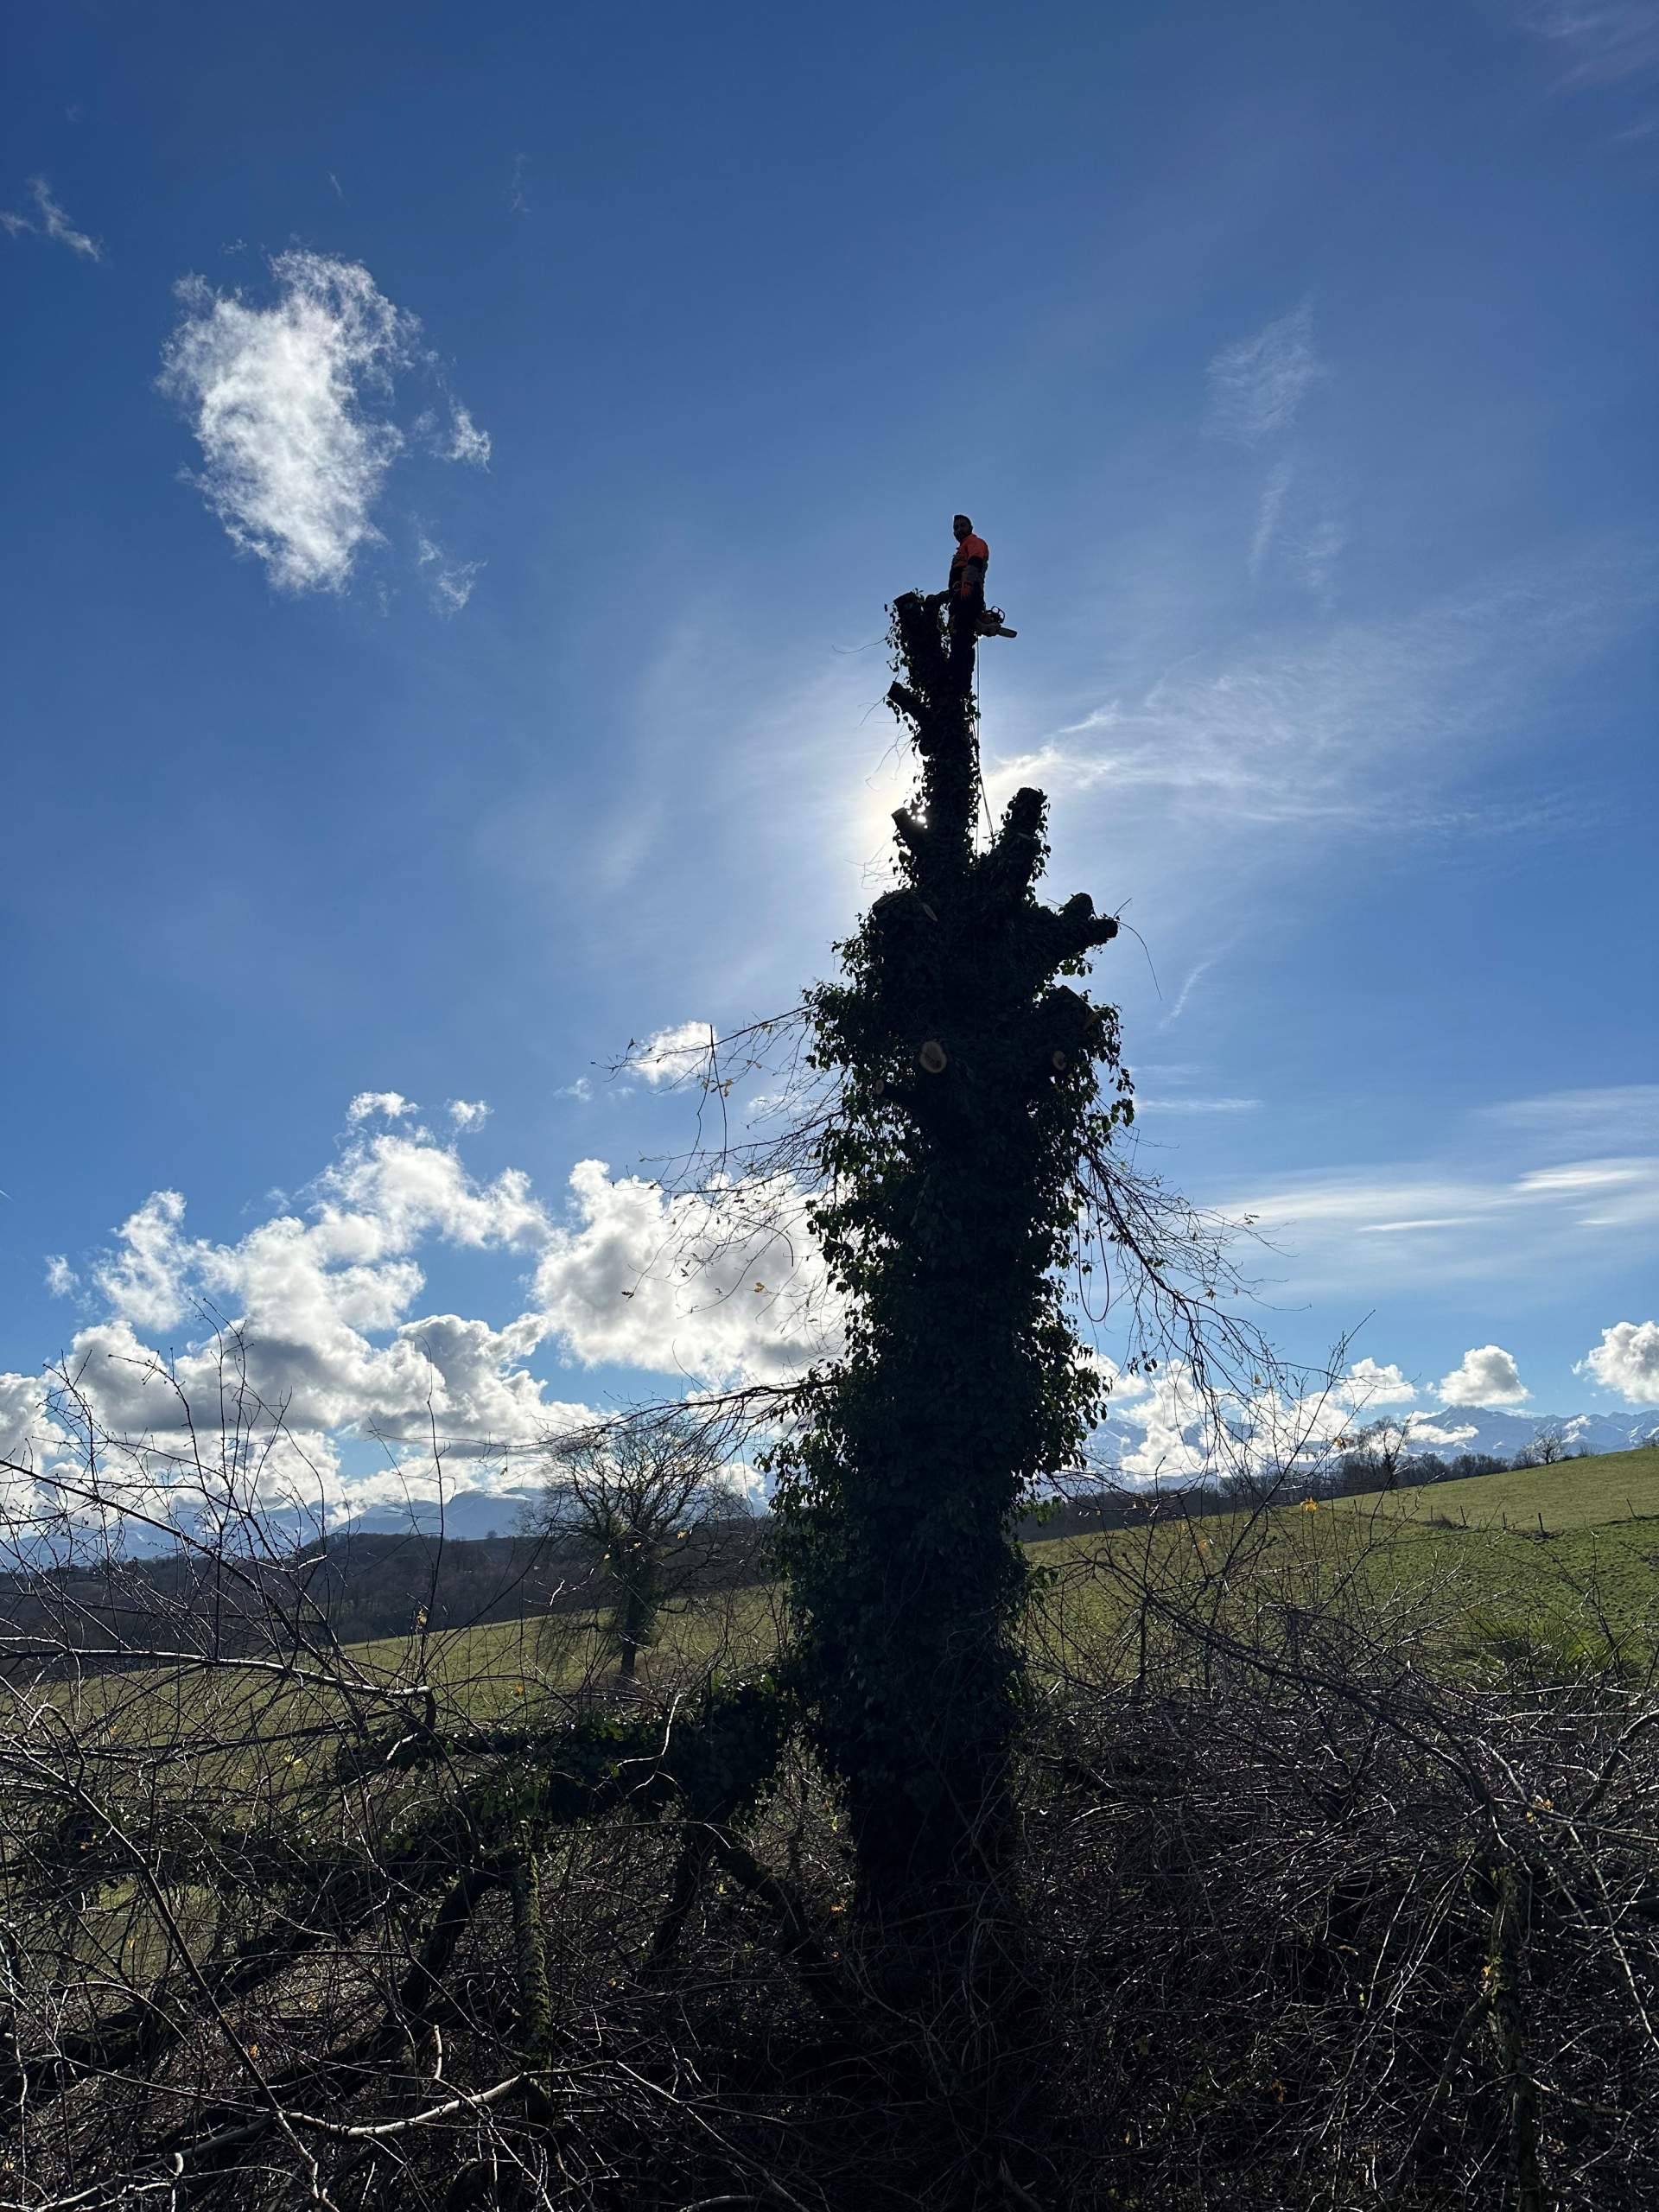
(465, 1515)
(365, 1583)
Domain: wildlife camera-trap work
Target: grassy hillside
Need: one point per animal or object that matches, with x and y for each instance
(1612, 1488)
(1465, 1558)
(1450, 1605)
(1553, 1572)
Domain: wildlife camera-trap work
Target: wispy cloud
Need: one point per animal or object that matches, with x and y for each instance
(292, 403)
(1195, 977)
(466, 441)
(1197, 1106)
(1601, 41)
(1302, 535)
(1257, 385)
(49, 221)
(1314, 556)
(1363, 723)
(1268, 513)
(450, 582)
(1498, 1204)
(1613, 1118)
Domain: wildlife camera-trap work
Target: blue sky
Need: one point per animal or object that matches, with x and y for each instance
(459, 459)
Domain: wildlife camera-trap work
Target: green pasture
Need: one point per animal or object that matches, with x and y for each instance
(1552, 1571)
(1547, 1576)
(1615, 1488)
(1556, 1566)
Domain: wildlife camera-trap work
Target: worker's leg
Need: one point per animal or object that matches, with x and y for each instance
(967, 613)
(963, 632)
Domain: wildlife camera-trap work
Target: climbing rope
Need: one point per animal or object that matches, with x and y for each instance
(979, 772)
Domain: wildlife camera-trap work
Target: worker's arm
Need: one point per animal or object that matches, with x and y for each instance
(973, 578)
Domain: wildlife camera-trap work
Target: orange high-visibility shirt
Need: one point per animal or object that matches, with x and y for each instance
(971, 547)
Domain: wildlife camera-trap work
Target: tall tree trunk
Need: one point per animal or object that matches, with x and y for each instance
(969, 1083)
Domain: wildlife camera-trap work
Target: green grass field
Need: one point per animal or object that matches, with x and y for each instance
(1550, 1570)
(1610, 1491)
(1550, 1566)
(1548, 1576)
(1555, 1563)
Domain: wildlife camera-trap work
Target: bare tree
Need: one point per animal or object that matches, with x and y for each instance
(1380, 1448)
(642, 1497)
(1549, 1447)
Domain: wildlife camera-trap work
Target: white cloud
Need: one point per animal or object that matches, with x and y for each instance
(52, 222)
(581, 1089)
(1368, 1384)
(314, 1317)
(142, 1280)
(705, 1288)
(60, 1277)
(1258, 385)
(469, 1113)
(22, 1414)
(321, 1332)
(1437, 1433)
(1487, 1375)
(1627, 1360)
(285, 405)
(383, 1196)
(721, 1290)
(383, 1105)
(291, 404)
(673, 1053)
(1170, 1416)
(1262, 1431)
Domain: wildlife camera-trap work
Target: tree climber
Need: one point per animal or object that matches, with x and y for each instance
(970, 619)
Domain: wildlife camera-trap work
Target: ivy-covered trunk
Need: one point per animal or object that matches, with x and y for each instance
(971, 1081)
